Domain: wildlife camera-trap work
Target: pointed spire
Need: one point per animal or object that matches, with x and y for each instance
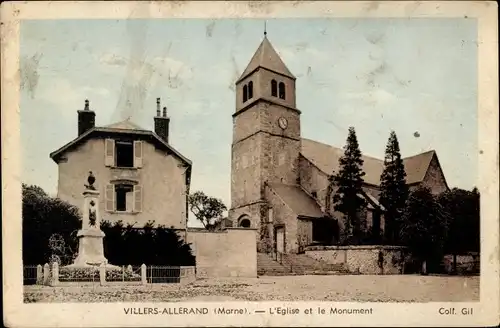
(266, 57)
(265, 28)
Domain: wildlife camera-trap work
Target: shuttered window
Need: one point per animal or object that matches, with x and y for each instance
(109, 152)
(137, 154)
(110, 198)
(138, 198)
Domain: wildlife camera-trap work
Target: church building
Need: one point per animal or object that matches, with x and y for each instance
(280, 181)
(139, 175)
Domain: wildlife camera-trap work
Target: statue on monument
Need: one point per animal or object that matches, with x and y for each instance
(90, 180)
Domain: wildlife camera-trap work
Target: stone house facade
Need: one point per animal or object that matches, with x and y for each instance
(139, 175)
(280, 181)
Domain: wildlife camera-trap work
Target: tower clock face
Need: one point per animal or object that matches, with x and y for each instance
(283, 123)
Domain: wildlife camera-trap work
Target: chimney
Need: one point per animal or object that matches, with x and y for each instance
(86, 119)
(161, 121)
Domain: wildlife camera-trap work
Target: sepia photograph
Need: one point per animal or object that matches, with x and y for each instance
(252, 158)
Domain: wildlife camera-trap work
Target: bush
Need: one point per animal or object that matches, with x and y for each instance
(126, 245)
(79, 274)
(49, 227)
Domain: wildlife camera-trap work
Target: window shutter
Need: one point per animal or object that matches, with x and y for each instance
(137, 154)
(110, 198)
(137, 198)
(109, 150)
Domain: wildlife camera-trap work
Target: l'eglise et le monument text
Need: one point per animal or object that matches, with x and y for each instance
(281, 192)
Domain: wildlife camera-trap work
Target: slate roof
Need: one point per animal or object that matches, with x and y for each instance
(298, 200)
(125, 126)
(266, 57)
(326, 158)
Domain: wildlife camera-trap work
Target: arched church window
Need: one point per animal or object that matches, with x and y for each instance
(245, 223)
(282, 90)
(245, 93)
(250, 90)
(274, 88)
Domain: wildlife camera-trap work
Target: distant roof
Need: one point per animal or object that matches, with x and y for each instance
(326, 158)
(125, 126)
(298, 200)
(266, 57)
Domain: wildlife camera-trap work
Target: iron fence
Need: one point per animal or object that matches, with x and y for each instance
(126, 274)
(29, 275)
(163, 274)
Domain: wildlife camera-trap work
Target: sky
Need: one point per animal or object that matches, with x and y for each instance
(417, 77)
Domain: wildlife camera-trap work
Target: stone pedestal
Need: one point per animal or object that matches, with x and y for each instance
(91, 237)
(90, 247)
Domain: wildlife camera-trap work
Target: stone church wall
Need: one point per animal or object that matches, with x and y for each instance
(434, 178)
(256, 213)
(245, 172)
(313, 180)
(283, 215)
(228, 253)
(360, 259)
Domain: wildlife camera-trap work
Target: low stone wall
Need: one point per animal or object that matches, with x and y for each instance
(361, 259)
(466, 264)
(228, 253)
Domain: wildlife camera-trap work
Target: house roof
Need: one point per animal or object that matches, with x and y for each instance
(266, 57)
(127, 127)
(298, 200)
(326, 158)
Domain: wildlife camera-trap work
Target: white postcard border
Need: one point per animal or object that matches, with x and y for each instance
(16, 313)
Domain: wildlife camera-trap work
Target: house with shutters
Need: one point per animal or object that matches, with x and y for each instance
(139, 175)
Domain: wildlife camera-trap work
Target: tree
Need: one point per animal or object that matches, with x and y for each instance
(423, 227)
(349, 180)
(462, 213)
(206, 209)
(49, 227)
(151, 245)
(393, 188)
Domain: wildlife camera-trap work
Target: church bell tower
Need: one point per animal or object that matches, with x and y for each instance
(266, 136)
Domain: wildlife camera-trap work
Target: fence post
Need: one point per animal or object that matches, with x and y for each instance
(39, 274)
(46, 274)
(55, 274)
(102, 274)
(143, 274)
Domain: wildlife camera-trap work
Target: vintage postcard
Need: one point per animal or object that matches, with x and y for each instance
(183, 163)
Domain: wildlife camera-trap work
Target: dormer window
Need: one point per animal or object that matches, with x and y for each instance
(274, 88)
(282, 90)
